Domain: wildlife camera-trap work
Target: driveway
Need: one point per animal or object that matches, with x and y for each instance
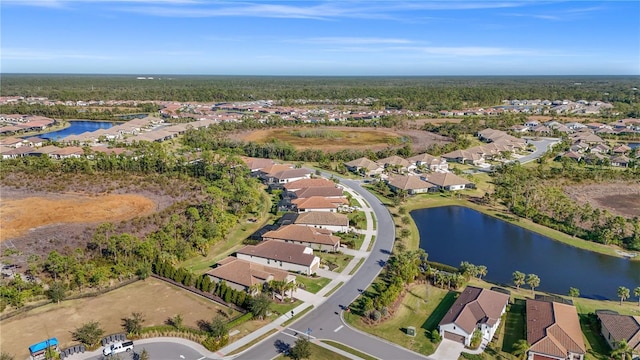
(447, 350)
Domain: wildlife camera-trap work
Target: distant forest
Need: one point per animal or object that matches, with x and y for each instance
(415, 93)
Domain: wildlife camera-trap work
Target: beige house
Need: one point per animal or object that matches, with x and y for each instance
(411, 184)
(286, 256)
(553, 331)
(615, 328)
(247, 276)
(430, 162)
(319, 203)
(475, 309)
(315, 238)
(364, 166)
(448, 181)
(324, 220)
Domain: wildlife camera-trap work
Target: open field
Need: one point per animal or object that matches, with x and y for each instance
(618, 198)
(156, 299)
(339, 138)
(21, 215)
(419, 308)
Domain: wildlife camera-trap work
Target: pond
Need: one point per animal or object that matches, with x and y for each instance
(453, 234)
(77, 127)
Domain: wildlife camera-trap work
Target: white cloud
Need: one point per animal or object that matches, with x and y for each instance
(355, 40)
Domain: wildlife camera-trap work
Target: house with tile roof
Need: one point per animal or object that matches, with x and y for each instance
(475, 309)
(553, 331)
(318, 203)
(324, 191)
(430, 162)
(308, 183)
(396, 162)
(448, 181)
(247, 276)
(316, 238)
(411, 184)
(324, 220)
(615, 328)
(364, 167)
(282, 255)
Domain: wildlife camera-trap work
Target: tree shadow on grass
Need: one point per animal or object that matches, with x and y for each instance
(440, 311)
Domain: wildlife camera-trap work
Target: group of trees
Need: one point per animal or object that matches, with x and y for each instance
(401, 269)
(536, 194)
(187, 228)
(416, 93)
(519, 279)
(624, 293)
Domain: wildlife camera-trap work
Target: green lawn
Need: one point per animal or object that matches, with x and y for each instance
(348, 349)
(440, 310)
(318, 353)
(311, 284)
(355, 268)
(597, 347)
(278, 308)
(352, 240)
(335, 261)
(359, 218)
(514, 325)
(420, 303)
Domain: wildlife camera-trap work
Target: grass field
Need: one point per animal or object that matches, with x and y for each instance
(348, 349)
(331, 139)
(335, 261)
(155, 299)
(312, 285)
(514, 327)
(317, 353)
(421, 308)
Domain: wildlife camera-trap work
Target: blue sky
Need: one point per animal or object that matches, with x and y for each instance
(321, 37)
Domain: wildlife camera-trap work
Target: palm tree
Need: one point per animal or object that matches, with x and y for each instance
(622, 350)
(623, 293)
(574, 292)
(518, 279)
(533, 281)
(636, 293)
(521, 348)
(482, 271)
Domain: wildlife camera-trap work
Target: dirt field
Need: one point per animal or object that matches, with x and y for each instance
(351, 138)
(619, 199)
(18, 216)
(155, 299)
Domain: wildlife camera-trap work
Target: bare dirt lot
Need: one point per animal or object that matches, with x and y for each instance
(155, 299)
(351, 138)
(18, 216)
(41, 212)
(618, 198)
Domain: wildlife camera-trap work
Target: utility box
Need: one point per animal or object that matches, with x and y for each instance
(411, 331)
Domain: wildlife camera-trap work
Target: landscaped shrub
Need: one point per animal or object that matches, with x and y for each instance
(240, 320)
(214, 344)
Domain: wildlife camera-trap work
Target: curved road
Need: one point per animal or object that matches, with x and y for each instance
(325, 321)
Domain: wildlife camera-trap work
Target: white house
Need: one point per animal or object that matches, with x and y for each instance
(475, 308)
(287, 256)
(335, 222)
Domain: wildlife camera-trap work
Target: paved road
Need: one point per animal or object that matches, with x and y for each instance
(159, 350)
(325, 321)
(541, 145)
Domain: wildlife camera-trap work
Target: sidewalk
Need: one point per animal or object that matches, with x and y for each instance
(308, 299)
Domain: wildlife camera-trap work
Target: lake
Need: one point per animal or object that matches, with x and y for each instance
(453, 234)
(633, 145)
(77, 127)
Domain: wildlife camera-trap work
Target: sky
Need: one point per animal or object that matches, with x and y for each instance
(323, 38)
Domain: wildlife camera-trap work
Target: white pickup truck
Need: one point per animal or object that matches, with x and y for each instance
(117, 348)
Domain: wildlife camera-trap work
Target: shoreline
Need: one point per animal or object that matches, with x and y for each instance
(425, 203)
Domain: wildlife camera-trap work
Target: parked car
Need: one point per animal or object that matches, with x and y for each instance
(117, 348)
